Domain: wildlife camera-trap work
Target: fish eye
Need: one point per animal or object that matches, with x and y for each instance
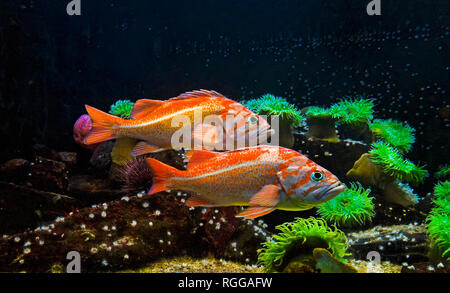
(252, 119)
(317, 176)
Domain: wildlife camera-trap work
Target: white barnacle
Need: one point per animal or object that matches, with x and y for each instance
(126, 256)
(161, 241)
(91, 215)
(168, 233)
(210, 222)
(41, 242)
(16, 239)
(28, 243)
(125, 198)
(94, 250)
(150, 224)
(157, 212)
(27, 250)
(145, 205)
(103, 214)
(105, 228)
(133, 223)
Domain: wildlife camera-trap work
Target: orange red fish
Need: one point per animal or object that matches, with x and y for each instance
(198, 117)
(264, 178)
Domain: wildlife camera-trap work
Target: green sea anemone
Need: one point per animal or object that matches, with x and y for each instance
(353, 111)
(321, 124)
(443, 172)
(396, 134)
(319, 112)
(353, 207)
(270, 105)
(288, 116)
(122, 108)
(439, 220)
(301, 237)
(393, 164)
(442, 190)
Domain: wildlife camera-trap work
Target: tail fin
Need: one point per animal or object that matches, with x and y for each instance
(102, 126)
(162, 174)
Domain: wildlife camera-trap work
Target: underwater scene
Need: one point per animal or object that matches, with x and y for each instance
(230, 136)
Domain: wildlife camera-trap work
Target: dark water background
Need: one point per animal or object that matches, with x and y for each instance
(311, 52)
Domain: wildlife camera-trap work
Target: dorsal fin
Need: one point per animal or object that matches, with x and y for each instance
(143, 107)
(195, 157)
(198, 94)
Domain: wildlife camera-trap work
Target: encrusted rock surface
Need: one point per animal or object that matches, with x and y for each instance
(126, 234)
(398, 244)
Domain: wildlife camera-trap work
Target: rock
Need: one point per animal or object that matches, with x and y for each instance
(101, 158)
(23, 207)
(427, 267)
(122, 234)
(69, 158)
(40, 150)
(49, 175)
(327, 263)
(398, 244)
(90, 190)
(191, 265)
(15, 170)
(220, 225)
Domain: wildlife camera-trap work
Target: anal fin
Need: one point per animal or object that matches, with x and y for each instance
(255, 212)
(143, 148)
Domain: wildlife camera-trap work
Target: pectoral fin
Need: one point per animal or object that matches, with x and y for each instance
(208, 135)
(262, 203)
(268, 196)
(255, 212)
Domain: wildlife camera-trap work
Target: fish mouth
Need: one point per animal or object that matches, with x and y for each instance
(334, 190)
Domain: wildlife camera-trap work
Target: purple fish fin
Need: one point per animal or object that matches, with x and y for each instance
(196, 201)
(255, 212)
(194, 157)
(143, 107)
(142, 148)
(268, 196)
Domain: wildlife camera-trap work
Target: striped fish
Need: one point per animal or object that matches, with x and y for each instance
(156, 123)
(264, 178)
